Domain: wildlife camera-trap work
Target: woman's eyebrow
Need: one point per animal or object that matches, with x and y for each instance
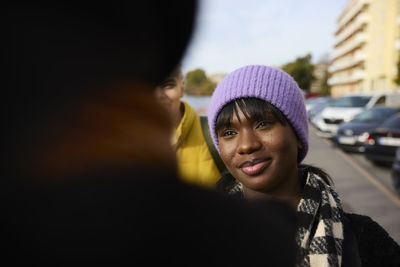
(224, 126)
(168, 81)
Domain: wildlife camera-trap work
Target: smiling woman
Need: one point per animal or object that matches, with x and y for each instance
(259, 125)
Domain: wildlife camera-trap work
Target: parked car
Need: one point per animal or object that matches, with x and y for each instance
(381, 143)
(318, 105)
(351, 136)
(396, 171)
(310, 102)
(347, 107)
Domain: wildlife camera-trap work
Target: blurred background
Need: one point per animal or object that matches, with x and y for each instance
(345, 56)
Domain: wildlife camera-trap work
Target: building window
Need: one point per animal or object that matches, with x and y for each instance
(360, 86)
(382, 81)
(381, 100)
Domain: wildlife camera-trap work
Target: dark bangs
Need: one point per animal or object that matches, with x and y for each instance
(252, 108)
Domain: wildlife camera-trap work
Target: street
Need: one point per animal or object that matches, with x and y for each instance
(364, 188)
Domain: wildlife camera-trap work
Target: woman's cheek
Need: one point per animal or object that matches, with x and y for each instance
(223, 149)
(227, 155)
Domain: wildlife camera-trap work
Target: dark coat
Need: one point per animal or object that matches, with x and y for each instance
(144, 217)
(370, 241)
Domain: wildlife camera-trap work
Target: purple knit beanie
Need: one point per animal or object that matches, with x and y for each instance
(270, 84)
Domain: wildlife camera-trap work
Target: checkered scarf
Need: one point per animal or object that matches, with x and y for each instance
(320, 233)
(319, 236)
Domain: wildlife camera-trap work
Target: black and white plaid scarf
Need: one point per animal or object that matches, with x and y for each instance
(319, 236)
(320, 233)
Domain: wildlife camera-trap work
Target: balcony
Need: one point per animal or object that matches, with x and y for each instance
(351, 13)
(350, 45)
(334, 81)
(360, 21)
(356, 76)
(397, 44)
(358, 57)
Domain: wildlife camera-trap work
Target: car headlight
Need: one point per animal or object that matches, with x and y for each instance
(347, 118)
(363, 137)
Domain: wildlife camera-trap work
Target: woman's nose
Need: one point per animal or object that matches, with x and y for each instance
(248, 142)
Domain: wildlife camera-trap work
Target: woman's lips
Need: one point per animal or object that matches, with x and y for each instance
(256, 168)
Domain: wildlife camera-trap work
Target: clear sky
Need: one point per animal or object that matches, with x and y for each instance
(233, 33)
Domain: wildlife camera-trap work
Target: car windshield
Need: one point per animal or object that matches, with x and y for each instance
(327, 102)
(393, 122)
(317, 100)
(352, 101)
(311, 100)
(374, 115)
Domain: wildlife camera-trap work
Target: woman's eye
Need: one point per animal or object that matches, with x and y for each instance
(228, 133)
(262, 124)
(169, 86)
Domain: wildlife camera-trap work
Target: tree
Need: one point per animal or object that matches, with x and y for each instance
(197, 83)
(325, 89)
(397, 78)
(323, 76)
(302, 71)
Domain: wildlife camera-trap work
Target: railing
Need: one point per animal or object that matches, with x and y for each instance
(350, 45)
(356, 76)
(357, 8)
(358, 57)
(360, 21)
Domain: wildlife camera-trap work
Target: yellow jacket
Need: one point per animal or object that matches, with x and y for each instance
(195, 163)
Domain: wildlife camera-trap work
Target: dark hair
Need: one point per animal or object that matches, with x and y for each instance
(304, 169)
(59, 54)
(252, 108)
(177, 72)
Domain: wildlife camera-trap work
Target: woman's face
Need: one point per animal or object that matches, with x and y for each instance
(169, 94)
(262, 154)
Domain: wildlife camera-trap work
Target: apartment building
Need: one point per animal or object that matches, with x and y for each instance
(366, 47)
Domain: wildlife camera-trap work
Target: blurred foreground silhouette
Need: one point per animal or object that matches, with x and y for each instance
(88, 171)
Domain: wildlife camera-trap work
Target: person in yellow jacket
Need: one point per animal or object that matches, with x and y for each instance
(195, 162)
